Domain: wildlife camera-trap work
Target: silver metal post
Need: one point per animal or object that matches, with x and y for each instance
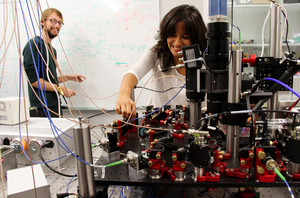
(82, 140)
(275, 45)
(81, 172)
(234, 92)
(275, 32)
(195, 114)
(88, 157)
(132, 95)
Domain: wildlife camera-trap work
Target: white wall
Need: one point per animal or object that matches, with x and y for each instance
(166, 5)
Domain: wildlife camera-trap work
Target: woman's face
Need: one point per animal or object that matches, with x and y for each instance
(178, 40)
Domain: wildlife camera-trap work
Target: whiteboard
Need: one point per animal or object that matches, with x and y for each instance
(102, 39)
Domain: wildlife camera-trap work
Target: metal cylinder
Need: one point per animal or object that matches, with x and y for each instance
(199, 172)
(232, 140)
(275, 31)
(86, 181)
(195, 114)
(180, 175)
(293, 168)
(155, 173)
(216, 169)
(275, 45)
(235, 77)
(81, 172)
(234, 92)
(88, 157)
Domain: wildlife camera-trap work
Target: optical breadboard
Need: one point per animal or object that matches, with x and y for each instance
(40, 130)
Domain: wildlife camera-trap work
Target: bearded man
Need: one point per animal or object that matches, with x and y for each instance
(42, 75)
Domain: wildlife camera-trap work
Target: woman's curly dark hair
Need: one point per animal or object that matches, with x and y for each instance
(194, 25)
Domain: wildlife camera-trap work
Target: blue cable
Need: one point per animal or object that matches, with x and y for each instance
(151, 190)
(137, 193)
(40, 92)
(35, 36)
(284, 85)
(207, 195)
(43, 99)
(70, 182)
(46, 111)
(204, 193)
(112, 192)
(71, 151)
(120, 191)
(30, 17)
(289, 188)
(160, 107)
(30, 47)
(236, 27)
(40, 32)
(38, 68)
(151, 197)
(204, 51)
(67, 149)
(20, 95)
(33, 31)
(148, 190)
(63, 132)
(51, 126)
(20, 125)
(229, 192)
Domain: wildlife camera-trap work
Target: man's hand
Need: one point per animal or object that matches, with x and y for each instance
(68, 92)
(76, 77)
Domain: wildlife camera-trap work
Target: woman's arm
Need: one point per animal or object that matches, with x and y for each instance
(124, 104)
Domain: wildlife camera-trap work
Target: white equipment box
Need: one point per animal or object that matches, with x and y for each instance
(9, 110)
(39, 130)
(22, 183)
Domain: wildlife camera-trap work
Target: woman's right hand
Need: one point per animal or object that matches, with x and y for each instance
(125, 106)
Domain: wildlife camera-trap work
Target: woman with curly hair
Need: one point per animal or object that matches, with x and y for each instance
(182, 26)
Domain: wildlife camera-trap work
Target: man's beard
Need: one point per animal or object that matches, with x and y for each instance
(51, 36)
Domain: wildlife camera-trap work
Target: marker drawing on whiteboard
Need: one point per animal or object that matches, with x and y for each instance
(118, 64)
